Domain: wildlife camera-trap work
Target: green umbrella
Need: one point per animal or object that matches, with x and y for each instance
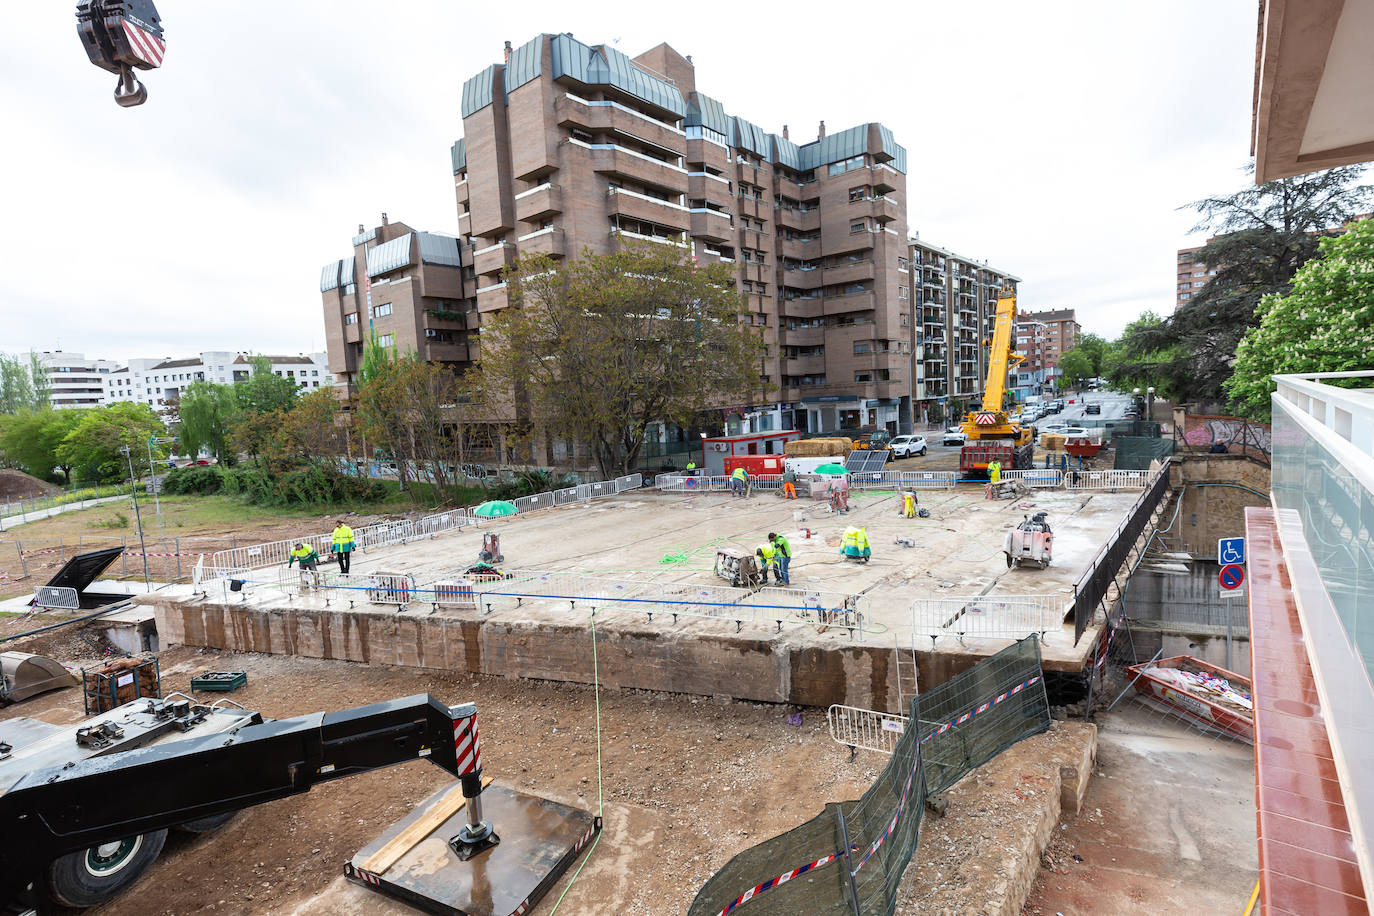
(831, 468)
(496, 508)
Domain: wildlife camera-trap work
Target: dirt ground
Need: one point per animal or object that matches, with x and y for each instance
(688, 782)
(1168, 825)
(18, 485)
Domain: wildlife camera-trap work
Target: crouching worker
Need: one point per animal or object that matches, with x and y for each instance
(768, 559)
(855, 545)
(739, 482)
(309, 560)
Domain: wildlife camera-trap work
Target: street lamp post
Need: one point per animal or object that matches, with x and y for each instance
(152, 475)
(133, 492)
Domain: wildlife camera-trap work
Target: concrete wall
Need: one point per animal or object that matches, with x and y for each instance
(746, 666)
(1212, 512)
(1186, 615)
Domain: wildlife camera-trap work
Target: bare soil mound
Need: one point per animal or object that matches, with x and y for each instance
(18, 485)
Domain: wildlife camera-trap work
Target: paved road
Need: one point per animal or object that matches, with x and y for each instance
(14, 521)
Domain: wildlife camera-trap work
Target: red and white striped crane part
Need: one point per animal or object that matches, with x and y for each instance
(145, 44)
(466, 744)
(368, 877)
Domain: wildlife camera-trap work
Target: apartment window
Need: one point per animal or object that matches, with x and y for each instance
(902, 263)
(1185, 295)
(906, 319)
(858, 194)
(314, 384)
(839, 168)
(903, 293)
(863, 376)
(857, 226)
(1199, 284)
(860, 347)
(381, 311)
(314, 372)
(386, 340)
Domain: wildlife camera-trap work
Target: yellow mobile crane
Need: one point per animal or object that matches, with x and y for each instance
(991, 434)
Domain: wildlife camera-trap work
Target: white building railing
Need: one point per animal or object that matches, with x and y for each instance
(988, 616)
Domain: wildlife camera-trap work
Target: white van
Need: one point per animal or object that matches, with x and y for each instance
(809, 465)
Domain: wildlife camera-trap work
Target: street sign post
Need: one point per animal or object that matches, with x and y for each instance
(1230, 551)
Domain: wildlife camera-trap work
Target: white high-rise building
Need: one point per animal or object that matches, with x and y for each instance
(159, 382)
(74, 380)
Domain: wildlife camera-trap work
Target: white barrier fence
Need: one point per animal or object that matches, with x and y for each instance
(1036, 478)
(56, 597)
(865, 728)
(1106, 480)
(988, 616)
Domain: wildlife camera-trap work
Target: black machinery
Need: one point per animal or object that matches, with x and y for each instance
(122, 36)
(86, 807)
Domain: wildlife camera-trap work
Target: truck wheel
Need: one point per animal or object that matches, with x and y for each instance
(100, 873)
(206, 824)
(1010, 562)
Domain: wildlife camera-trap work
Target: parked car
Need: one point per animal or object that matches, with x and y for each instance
(1053, 428)
(954, 436)
(1074, 431)
(906, 446)
(1092, 408)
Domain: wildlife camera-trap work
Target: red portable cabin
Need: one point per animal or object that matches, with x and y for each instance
(715, 451)
(754, 464)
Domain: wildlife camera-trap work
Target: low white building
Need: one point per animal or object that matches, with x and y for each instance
(74, 380)
(159, 382)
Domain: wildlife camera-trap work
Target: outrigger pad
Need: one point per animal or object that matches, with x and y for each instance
(540, 839)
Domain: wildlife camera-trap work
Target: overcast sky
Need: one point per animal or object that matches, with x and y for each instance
(1054, 140)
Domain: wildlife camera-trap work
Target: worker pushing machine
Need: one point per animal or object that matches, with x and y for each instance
(342, 546)
(305, 555)
(739, 482)
(855, 545)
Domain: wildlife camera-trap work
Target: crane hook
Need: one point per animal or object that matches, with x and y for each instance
(129, 91)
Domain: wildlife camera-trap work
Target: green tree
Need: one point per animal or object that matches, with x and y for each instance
(1074, 365)
(375, 357)
(29, 440)
(92, 447)
(207, 413)
(1129, 364)
(23, 383)
(599, 347)
(265, 391)
(1325, 324)
(1261, 237)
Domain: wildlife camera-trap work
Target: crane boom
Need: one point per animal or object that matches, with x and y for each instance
(991, 436)
(1002, 356)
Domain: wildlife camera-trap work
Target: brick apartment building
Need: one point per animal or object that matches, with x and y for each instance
(955, 305)
(1192, 274)
(569, 146)
(1062, 332)
(409, 287)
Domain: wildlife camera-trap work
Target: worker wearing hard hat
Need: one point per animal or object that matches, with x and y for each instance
(768, 558)
(855, 545)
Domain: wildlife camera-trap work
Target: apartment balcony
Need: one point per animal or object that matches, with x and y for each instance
(460, 192)
(602, 116)
(712, 225)
(850, 271)
(753, 238)
(353, 333)
(441, 320)
(611, 159)
(884, 177)
(804, 308)
(539, 202)
(885, 209)
(543, 241)
(754, 207)
(753, 270)
(796, 218)
(491, 259)
(712, 154)
(447, 352)
(800, 251)
(804, 365)
(854, 302)
(803, 337)
(711, 188)
(650, 209)
(804, 278)
(491, 298)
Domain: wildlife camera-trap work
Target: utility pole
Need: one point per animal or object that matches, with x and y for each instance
(133, 492)
(152, 475)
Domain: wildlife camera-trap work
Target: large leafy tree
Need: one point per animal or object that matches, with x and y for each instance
(1326, 324)
(23, 383)
(265, 391)
(1130, 363)
(600, 347)
(207, 412)
(29, 440)
(1261, 236)
(92, 447)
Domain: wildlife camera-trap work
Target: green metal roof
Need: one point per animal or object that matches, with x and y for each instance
(459, 153)
(748, 136)
(479, 92)
(892, 148)
(787, 153)
(704, 111)
(603, 66)
(524, 63)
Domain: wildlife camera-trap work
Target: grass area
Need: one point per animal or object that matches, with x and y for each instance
(62, 499)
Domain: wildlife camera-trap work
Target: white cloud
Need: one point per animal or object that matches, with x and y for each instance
(1056, 140)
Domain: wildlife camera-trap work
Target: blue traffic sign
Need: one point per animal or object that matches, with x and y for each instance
(1230, 550)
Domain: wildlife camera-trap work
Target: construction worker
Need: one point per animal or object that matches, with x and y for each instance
(789, 484)
(994, 472)
(739, 482)
(784, 556)
(342, 545)
(855, 545)
(691, 469)
(309, 560)
(768, 557)
(908, 504)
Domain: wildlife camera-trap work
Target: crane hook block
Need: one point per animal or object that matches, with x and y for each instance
(121, 36)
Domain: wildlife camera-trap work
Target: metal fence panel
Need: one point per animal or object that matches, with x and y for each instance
(865, 728)
(987, 616)
(56, 597)
(1037, 478)
(1106, 480)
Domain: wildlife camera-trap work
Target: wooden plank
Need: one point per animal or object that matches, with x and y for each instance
(409, 838)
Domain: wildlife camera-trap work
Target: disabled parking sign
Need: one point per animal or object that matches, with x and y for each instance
(1230, 551)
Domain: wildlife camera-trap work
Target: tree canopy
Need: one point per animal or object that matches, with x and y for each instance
(264, 391)
(23, 383)
(1261, 237)
(92, 447)
(599, 347)
(29, 440)
(1325, 324)
(207, 413)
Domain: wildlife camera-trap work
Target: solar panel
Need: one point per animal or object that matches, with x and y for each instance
(863, 460)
